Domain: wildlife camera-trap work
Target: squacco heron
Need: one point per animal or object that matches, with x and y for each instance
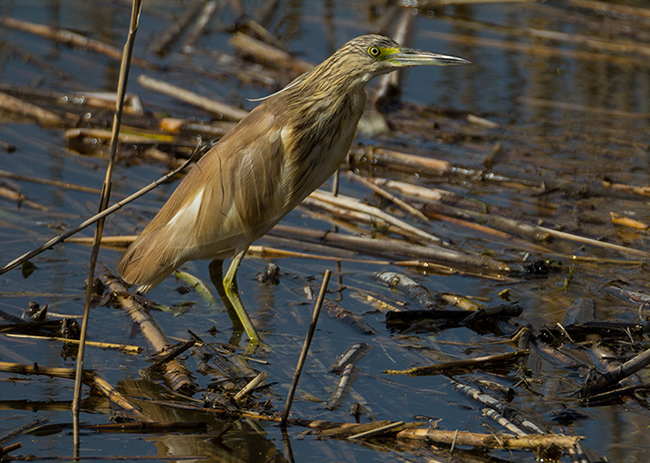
(284, 149)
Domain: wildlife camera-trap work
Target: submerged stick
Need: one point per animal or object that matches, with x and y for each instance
(268, 54)
(16, 105)
(305, 348)
(343, 387)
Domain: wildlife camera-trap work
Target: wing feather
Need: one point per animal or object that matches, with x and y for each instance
(226, 201)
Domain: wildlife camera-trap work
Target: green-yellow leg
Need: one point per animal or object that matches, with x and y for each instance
(216, 275)
(230, 286)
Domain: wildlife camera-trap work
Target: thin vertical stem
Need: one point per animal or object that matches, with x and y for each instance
(335, 182)
(106, 190)
(305, 347)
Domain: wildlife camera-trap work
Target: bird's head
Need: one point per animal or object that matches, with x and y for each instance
(371, 55)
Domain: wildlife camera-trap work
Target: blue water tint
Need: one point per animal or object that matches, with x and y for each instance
(505, 84)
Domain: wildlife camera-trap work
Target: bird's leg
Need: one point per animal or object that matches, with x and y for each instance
(230, 286)
(216, 275)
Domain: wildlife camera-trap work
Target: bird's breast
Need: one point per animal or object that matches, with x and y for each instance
(318, 141)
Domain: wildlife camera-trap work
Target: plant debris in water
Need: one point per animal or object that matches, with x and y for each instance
(444, 212)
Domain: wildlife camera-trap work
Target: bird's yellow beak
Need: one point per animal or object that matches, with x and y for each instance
(410, 57)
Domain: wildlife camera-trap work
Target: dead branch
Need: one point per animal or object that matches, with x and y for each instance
(174, 370)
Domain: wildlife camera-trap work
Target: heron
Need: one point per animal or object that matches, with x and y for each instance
(284, 149)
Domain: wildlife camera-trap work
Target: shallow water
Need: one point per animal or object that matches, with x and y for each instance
(573, 148)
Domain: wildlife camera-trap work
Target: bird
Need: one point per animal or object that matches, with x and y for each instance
(285, 148)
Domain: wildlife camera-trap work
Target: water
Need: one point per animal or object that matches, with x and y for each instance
(559, 145)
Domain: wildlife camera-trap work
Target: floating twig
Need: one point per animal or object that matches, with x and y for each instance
(336, 311)
(50, 182)
(593, 242)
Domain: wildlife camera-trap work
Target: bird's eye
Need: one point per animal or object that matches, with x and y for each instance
(374, 52)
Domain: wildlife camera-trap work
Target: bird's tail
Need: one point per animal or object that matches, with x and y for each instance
(146, 264)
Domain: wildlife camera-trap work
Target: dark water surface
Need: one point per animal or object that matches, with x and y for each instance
(514, 77)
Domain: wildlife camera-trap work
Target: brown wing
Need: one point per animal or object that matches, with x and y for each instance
(224, 203)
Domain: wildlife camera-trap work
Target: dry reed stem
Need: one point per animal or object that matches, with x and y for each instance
(50, 182)
(248, 389)
(187, 96)
(305, 348)
(385, 194)
(70, 38)
(42, 116)
(484, 265)
(129, 349)
(491, 441)
(199, 26)
(355, 205)
(268, 54)
(125, 66)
